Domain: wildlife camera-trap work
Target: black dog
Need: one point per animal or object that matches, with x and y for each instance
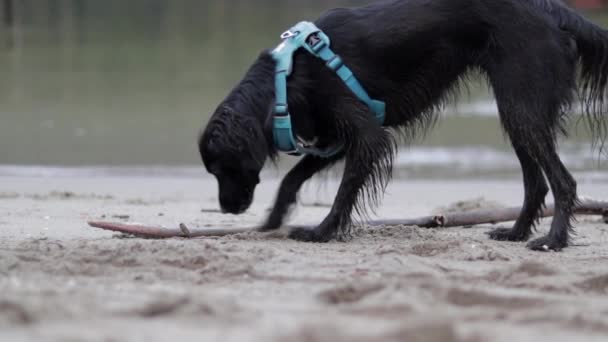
(414, 55)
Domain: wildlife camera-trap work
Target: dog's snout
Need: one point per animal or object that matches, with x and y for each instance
(234, 209)
(234, 204)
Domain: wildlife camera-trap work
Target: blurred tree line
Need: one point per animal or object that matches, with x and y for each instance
(53, 12)
(79, 17)
(74, 22)
(589, 4)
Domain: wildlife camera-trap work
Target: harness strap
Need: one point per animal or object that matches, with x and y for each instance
(335, 63)
(308, 36)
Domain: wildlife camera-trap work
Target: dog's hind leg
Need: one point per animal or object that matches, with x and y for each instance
(535, 190)
(291, 184)
(563, 186)
(531, 91)
(536, 150)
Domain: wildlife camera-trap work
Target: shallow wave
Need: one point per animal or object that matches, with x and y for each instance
(578, 156)
(100, 171)
(419, 162)
(482, 108)
(461, 157)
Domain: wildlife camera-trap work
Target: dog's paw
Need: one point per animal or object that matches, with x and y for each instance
(273, 222)
(308, 235)
(546, 244)
(268, 227)
(507, 234)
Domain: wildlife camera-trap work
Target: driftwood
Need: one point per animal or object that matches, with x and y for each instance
(447, 220)
(157, 232)
(492, 216)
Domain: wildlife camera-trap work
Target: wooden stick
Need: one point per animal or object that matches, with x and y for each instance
(493, 216)
(447, 220)
(158, 232)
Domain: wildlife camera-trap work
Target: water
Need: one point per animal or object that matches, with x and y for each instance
(126, 85)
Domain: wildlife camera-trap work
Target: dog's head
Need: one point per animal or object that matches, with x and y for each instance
(233, 149)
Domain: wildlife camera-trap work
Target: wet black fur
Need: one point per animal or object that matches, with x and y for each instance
(537, 55)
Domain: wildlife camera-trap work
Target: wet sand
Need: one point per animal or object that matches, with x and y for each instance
(63, 281)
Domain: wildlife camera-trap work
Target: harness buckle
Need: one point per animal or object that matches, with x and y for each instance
(315, 42)
(313, 39)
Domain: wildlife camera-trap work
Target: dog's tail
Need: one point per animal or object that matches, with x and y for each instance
(592, 45)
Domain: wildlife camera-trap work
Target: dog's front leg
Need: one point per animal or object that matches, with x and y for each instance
(291, 184)
(367, 170)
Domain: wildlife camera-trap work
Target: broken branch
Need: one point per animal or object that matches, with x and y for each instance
(158, 232)
(447, 220)
(492, 216)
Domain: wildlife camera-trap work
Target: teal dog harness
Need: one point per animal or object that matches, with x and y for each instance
(308, 36)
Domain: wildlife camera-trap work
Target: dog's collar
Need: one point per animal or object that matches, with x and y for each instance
(308, 36)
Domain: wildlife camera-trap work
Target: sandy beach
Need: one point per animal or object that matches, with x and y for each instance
(63, 281)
